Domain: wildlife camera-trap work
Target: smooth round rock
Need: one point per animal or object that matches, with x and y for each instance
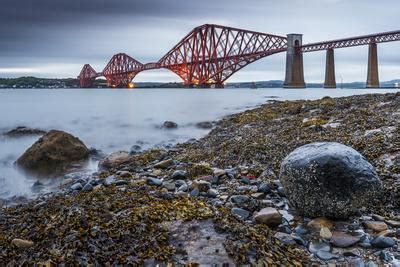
(328, 179)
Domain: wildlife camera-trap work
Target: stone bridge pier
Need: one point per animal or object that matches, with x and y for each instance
(294, 62)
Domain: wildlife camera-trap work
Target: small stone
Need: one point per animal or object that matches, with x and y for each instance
(195, 192)
(300, 230)
(318, 223)
(124, 174)
(21, 243)
(382, 242)
(378, 218)
(183, 188)
(114, 160)
(169, 186)
(284, 238)
(212, 193)
(164, 164)
(240, 199)
(179, 175)
(219, 173)
(203, 186)
(241, 213)
(88, 187)
(343, 240)
(245, 180)
(154, 181)
(395, 224)
(376, 226)
(268, 216)
(286, 215)
(121, 182)
(325, 255)
(264, 188)
(325, 233)
(258, 195)
(314, 247)
(76, 186)
(389, 233)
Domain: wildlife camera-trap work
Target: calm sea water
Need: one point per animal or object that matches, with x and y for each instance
(112, 120)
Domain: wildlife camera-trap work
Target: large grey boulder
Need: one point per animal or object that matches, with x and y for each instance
(53, 153)
(328, 179)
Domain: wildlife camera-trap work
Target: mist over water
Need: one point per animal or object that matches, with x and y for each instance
(113, 120)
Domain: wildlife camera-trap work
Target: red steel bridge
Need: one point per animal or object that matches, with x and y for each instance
(210, 54)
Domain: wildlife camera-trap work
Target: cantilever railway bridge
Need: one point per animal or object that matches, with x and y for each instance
(210, 54)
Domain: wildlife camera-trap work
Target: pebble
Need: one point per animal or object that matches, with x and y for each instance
(76, 186)
(258, 195)
(183, 188)
(376, 226)
(284, 238)
(241, 213)
(179, 175)
(382, 242)
(21, 243)
(325, 233)
(325, 255)
(240, 199)
(318, 223)
(268, 216)
(121, 182)
(154, 181)
(378, 218)
(300, 230)
(195, 192)
(124, 174)
(169, 186)
(245, 180)
(343, 240)
(212, 193)
(203, 186)
(164, 164)
(88, 187)
(314, 247)
(264, 188)
(395, 224)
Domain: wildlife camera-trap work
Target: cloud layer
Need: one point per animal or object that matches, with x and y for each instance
(54, 38)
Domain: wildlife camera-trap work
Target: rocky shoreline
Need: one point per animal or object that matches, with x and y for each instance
(219, 200)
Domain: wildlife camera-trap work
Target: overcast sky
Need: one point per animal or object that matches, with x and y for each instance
(54, 38)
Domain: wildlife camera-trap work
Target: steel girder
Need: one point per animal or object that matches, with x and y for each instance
(121, 69)
(210, 54)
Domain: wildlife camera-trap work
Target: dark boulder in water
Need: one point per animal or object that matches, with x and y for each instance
(53, 153)
(24, 131)
(329, 179)
(170, 125)
(204, 125)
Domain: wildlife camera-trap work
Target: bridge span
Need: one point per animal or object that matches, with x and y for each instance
(210, 54)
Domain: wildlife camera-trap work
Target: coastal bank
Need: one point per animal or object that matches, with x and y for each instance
(219, 200)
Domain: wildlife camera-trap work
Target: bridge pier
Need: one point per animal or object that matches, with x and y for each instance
(330, 80)
(294, 63)
(373, 75)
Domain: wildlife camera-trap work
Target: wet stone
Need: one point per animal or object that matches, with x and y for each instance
(154, 181)
(179, 175)
(241, 213)
(268, 216)
(87, 188)
(76, 186)
(213, 193)
(376, 226)
(264, 188)
(121, 182)
(169, 186)
(195, 192)
(343, 240)
(317, 223)
(240, 199)
(164, 164)
(285, 238)
(382, 242)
